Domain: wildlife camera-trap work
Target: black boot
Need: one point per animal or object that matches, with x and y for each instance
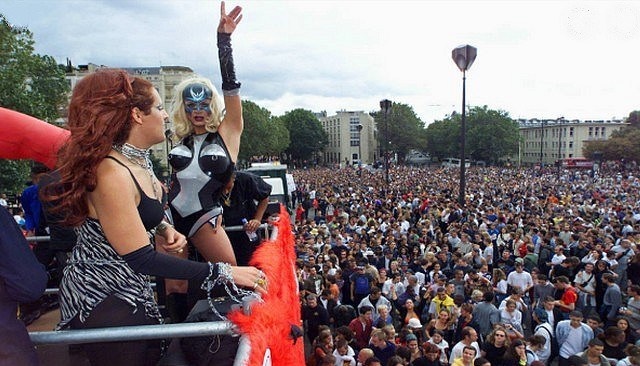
(177, 307)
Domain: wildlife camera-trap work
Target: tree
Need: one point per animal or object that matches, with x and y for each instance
(306, 134)
(623, 143)
(403, 128)
(29, 83)
(491, 135)
(263, 134)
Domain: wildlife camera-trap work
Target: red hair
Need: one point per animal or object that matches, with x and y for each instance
(99, 117)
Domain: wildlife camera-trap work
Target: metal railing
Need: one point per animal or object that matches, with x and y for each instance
(137, 332)
(132, 333)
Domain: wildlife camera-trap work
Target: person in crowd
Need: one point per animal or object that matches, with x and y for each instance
(374, 300)
(22, 279)
(495, 346)
(614, 341)
(113, 198)
(362, 326)
(632, 311)
(486, 314)
(593, 354)
(573, 336)
(437, 339)
(239, 199)
(535, 343)
(469, 339)
(611, 301)
(511, 318)
(431, 356)
(469, 354)
(565, 295)
(630, 336)
(343, 353)
(516, 354)
(314, 315)
(633, 356)
(544, 330)
(382, 348)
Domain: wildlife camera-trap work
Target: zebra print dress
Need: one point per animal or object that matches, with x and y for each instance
(94, 272)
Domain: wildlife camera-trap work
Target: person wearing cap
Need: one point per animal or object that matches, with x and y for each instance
(361, 283)
(543, 329)
(573, 336)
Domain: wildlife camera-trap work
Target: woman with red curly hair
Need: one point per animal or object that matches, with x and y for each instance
(109, 193)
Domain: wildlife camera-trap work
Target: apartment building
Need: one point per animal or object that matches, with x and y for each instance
(352, 138)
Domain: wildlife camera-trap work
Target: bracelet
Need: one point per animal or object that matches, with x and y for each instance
(162, 227)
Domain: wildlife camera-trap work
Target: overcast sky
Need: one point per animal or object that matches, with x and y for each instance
(538, 59)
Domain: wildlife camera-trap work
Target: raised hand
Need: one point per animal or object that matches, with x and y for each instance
(228, 22)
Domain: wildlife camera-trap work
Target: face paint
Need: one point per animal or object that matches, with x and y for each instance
(197, 97)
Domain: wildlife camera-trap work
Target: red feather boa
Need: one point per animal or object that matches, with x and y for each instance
(269, 324)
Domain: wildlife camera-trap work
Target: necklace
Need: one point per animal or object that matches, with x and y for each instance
(140, 157)
(226, 199)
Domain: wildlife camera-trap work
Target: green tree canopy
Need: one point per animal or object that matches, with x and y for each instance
(404, 129)
(306, 134)
(29, 83)
(623, 143)
(491, 135)
(263, 134)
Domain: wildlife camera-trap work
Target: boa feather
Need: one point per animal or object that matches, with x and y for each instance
(272, 322)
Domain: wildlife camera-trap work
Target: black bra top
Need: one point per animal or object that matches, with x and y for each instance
(150, 210)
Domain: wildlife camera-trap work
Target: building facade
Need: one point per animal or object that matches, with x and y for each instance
(163, 78)
(547, 141)
(352, 138)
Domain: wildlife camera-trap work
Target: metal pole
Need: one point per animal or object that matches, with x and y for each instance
(541, 140)
(386, 150)
(559, 152)
(461, 199)
(132, 333)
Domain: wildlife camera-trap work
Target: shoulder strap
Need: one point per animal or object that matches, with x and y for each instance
(130, 173)
(541, 327)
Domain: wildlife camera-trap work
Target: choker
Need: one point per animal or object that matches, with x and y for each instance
(135, 155)
(140, 157)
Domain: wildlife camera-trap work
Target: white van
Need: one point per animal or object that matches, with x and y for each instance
(454, 163)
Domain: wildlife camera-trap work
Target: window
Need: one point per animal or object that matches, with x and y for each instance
(571, 131)
(590, 131)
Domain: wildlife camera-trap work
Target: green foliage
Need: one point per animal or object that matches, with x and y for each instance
(13, 176)
(405, 130)
(623, 143)
(306, 134)
(263, 134)
(491, 135)
(29, 83)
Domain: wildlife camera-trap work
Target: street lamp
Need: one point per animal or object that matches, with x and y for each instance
(463, 56)
(542, 123)
(597, 161)
(360, 145)
(385, 106)
(558, 122)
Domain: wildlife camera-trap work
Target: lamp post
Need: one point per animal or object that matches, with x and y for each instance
(463, 56)
(542, 123)
(558, 121)
(360, 145)
(597, 160)
(385, 106)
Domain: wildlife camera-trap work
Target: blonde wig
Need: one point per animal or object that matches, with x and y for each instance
(179, 117)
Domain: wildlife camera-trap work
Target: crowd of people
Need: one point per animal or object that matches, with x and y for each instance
(536, 267)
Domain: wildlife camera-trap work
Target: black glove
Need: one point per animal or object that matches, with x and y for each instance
(225, 53)
(147, 261)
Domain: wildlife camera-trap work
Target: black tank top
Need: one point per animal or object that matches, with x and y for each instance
(150, 210)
